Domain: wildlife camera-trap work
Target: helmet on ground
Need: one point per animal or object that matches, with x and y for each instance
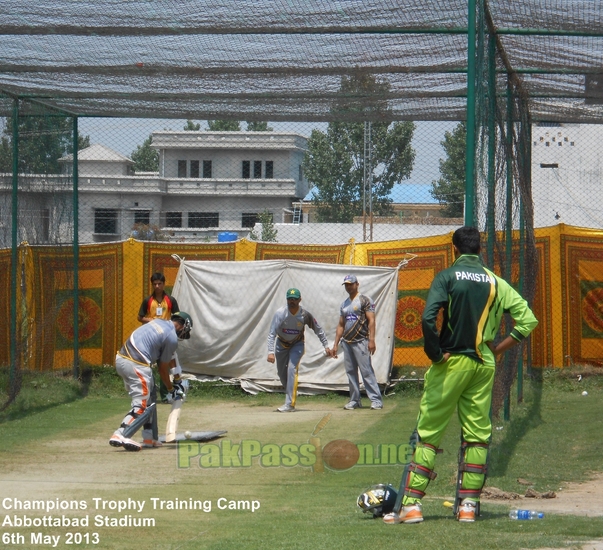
(379, 500)
(187, 324)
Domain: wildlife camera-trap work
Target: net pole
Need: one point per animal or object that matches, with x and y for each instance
(491, 211)
(470, 151)
(509, 220)
(364, 186)
(12, 379)
(76, 253)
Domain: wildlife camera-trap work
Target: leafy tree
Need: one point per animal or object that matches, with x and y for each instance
(258, 126)
(450, 188)
(269, 232)
(6, 155)
(224, 125)
(334, 162)
(148, 232)
(191, 126)
(145, 158)
(42, 142)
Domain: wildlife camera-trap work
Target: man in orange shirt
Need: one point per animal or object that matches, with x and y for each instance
(158, 305)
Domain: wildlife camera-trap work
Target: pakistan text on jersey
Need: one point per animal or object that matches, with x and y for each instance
(471, 276)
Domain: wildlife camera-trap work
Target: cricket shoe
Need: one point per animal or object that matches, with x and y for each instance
(118, 440)
(352, 405)
(151, 444)
(376, 406)
(409, 514)
(286, 409)
(466, 513)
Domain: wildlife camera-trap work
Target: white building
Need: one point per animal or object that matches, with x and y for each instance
(209, 184)
(567, 174)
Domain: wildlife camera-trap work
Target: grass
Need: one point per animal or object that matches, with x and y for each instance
(553, 437)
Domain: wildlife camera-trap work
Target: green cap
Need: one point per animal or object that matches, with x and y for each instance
(293, 293)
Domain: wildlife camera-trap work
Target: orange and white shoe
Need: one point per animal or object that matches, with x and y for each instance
(151, 444)
(466, 513)
(409, 514)
(118, 440)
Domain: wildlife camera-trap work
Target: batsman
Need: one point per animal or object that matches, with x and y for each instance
(156, 341)
(461, 376)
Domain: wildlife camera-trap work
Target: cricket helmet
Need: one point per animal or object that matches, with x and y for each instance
(187, 324)
(379, 500)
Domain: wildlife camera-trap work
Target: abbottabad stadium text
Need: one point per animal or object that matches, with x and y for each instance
(248, 452)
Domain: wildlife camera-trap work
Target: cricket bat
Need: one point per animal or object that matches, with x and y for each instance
(172, 421)
(174, 416)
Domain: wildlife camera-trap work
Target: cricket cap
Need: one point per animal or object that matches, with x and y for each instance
(293, 293)
(350, 279)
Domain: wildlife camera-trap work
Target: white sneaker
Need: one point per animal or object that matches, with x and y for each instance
(409, 514)
(466, 513)
(376, 406)
(118, 440)
(352, 405)
(286, 409)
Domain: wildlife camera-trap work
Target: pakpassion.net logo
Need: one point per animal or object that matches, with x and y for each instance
(339, 454)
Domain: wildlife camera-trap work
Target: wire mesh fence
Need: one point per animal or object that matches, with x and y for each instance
(333, 136)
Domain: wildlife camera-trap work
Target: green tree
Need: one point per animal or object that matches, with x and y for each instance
(191, 126)
(43, 140)
(146, 159)
(148, 232)
(269, 232)
(449, 189)
(224, 125)
(334, 162)
(258, 126)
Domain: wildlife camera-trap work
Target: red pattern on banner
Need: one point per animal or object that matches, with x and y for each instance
(408, 318)
(89, 319)
(574, 250)
(52, 265)
(592, 309)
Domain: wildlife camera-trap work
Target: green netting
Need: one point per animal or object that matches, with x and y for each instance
(285, 59)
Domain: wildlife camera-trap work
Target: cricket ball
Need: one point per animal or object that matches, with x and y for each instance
(188, 434)
(584, 392)
(340, 454)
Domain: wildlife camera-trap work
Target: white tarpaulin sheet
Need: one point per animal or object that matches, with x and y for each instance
(232, 305)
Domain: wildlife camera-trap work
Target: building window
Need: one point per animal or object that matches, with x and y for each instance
(194, 169)
(105, 221)
(142, 216)
(257, 169)
(269, 172)
(203, 219)
(249, 220)
(173, 219)
(301, 173)
(45, 219)
(182, 169)
(207, 168)
(246, 170)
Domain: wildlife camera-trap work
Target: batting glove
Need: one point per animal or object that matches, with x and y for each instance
(175, 394)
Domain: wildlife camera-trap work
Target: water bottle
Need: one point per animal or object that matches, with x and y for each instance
(525, 514)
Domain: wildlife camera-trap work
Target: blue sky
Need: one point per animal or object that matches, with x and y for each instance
(125, 134)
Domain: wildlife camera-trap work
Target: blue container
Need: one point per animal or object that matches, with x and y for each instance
(226, 237)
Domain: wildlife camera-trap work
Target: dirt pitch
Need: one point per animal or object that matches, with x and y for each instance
(83, 463)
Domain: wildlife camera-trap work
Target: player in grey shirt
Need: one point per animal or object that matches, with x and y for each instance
(286, 343)
(356, 331)
(154, 342)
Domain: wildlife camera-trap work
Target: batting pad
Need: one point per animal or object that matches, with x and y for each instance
(232, 305)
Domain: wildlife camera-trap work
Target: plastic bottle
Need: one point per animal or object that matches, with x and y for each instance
(525, 514)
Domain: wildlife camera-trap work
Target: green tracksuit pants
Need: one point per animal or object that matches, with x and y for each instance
(459, 382)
